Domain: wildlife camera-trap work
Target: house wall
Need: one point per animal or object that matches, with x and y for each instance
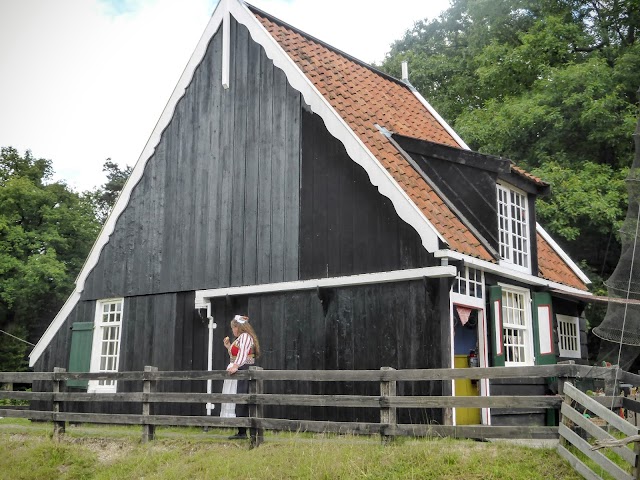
(160, 330)
(531, 386)
(364, 327)
(346, 226)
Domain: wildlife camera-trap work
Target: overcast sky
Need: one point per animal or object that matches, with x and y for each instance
(86, 80)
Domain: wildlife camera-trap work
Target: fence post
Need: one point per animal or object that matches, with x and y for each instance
(148, 386)
(610, 383)
(58, 427)
(387, 413)
(256, 410)
(563, 420)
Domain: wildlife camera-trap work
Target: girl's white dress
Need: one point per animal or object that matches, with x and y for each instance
(229, 387)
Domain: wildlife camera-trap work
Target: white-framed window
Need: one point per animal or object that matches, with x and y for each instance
(470, 282)
(105, 351)
(517, 332)
(569, 336)
(513, 227)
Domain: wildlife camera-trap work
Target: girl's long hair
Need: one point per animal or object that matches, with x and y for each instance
(247, 328)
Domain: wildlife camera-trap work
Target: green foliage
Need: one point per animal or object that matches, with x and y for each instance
(46, 231)
(550, 84)
(593, 197)
(104, 198)
(12, 350)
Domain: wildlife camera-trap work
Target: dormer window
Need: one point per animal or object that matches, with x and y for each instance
(513, 225)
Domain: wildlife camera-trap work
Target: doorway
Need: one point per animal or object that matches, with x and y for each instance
(466, 355)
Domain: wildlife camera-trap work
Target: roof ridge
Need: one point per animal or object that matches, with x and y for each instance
(282, 23)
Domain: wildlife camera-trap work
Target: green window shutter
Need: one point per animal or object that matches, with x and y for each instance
(495, 324)
(543, 321)
(80, 354)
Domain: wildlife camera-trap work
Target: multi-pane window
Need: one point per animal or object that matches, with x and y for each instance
(469, 282)
(568, 336)
(516, 327)
(106, 342)
(513, 226)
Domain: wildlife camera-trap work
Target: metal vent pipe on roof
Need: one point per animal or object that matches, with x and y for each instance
(405, 71)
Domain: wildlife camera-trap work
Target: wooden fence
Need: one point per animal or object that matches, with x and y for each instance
(589, 424)
(387, 401)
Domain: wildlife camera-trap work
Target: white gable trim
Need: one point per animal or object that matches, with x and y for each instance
(509, 272)
(562, 254)
(359, 153)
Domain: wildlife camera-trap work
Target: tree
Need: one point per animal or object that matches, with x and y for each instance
(549, 84)
(46, 232)
(104, 198)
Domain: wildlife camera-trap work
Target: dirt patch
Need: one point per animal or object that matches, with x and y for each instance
(106, 451)
(23, 437)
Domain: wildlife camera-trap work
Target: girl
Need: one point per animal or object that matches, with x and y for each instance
(242, 354)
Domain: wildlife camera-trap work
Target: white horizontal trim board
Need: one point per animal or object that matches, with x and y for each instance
(508, 272)
(345, 281)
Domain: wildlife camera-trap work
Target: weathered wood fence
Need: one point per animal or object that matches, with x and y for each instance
(587, 420)
(387, 401)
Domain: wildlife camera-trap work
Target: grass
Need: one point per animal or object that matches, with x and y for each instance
(28, 451)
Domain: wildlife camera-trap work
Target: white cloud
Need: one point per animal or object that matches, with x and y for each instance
(83, 81)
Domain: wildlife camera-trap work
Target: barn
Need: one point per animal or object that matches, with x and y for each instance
(329, 202)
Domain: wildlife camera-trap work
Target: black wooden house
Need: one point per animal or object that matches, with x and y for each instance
(293, 183)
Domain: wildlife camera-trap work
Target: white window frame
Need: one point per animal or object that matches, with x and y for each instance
(517, 327)
(473, 277)
(569, 336)
(105, 352)
(513, 233)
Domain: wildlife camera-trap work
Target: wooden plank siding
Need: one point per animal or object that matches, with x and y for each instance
(346, 226)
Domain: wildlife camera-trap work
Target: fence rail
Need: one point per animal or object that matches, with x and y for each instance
(387, 402)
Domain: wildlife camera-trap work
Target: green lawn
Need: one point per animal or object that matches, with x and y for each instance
(27, 451)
